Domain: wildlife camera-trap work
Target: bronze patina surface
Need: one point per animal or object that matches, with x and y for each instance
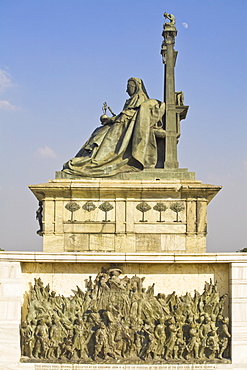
(118, 320)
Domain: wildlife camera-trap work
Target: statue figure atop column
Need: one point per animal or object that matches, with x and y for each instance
(171, 18)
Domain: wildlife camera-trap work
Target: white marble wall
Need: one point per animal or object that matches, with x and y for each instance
(10, 313)
(238, 304)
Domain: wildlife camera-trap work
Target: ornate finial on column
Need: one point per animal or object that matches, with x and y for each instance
(169, 33)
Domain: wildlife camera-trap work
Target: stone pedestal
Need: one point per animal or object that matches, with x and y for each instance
(124, 215)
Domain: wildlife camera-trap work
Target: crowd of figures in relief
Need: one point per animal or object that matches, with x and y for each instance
(118, 320)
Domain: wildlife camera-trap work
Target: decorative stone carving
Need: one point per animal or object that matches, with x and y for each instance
(143, 207)
(179, 95)
(72, 207)
(106, 207)
(160, 207)
(177, 208)
(171, 18)
(117, 320)
(39, 217)
(89, 206)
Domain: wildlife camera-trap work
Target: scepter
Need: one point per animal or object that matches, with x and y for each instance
(105, 107)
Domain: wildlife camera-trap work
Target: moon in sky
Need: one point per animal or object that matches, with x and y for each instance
(185, 25)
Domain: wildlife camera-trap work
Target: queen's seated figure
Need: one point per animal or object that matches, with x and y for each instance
(125, 142)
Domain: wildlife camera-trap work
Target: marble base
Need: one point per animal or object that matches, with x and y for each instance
(169, 271)
(34, 366)
(126, 367)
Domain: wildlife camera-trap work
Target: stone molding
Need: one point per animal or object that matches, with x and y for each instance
(123, 257)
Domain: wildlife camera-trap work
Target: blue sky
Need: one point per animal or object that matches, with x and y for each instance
(61, 59)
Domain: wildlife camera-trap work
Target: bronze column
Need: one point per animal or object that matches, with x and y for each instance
(170, 121)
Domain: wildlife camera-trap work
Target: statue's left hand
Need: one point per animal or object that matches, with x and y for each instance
(104, 119)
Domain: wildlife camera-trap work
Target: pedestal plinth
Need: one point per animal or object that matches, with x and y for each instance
(63, 272)
(124, 215)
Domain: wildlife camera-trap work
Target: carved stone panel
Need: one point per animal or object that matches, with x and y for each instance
(116, 320)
